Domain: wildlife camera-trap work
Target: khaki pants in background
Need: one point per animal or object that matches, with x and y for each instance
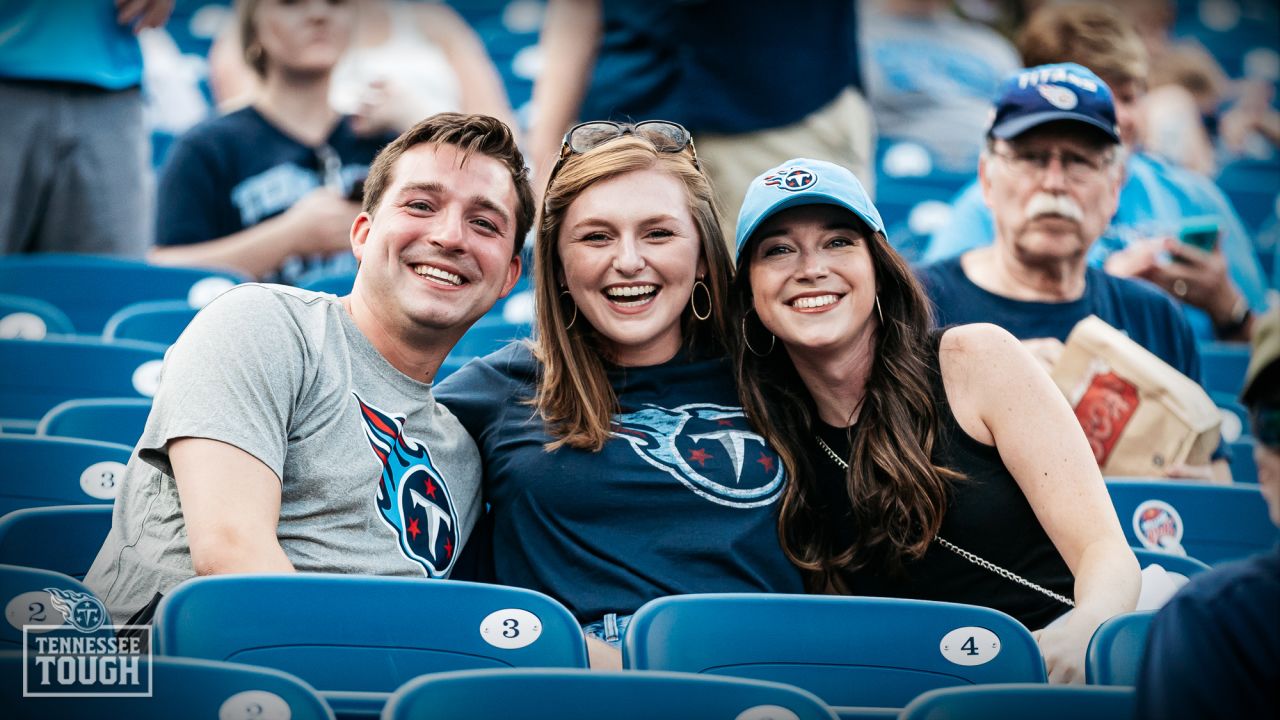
(842, 132)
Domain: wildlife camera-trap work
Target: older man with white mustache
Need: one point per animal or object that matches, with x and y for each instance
(1051, 175)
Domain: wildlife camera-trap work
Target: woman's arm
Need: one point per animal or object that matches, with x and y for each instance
(478, 79)
(1001, 396)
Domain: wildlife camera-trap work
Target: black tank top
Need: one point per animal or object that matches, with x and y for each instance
(987, 515)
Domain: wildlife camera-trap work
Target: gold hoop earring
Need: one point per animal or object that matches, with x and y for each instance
(694, 306)
(575, 309)
(773, 339)
(878, 310)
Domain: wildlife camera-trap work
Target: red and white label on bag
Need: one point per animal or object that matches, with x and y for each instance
(1105, 408)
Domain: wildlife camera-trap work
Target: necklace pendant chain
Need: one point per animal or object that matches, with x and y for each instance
(970, 557)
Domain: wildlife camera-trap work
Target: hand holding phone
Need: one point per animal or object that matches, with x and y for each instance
(1200, 232)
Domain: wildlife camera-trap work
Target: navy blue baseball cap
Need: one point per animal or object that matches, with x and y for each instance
(1053, 93)
(803, 182)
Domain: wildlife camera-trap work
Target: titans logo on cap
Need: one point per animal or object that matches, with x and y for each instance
(792, 179)
(1058, 96)
(412, 497)
(710, 449)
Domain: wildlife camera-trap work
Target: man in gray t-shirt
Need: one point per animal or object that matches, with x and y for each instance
(295, 430)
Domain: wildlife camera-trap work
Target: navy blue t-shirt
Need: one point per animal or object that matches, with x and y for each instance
(722, 66)
(682, 499)
(1140, 309)
(232, 172)
(1214, 649)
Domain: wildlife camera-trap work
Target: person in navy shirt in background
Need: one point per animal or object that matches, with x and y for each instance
(1214, 650)
(271, 190)
(1051, 174)
(617, 460)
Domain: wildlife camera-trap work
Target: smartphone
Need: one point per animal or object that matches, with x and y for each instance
(1200, 232)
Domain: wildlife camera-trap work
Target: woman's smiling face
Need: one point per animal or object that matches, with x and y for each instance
(630, 254)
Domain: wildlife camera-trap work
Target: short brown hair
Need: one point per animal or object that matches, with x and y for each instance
(470, 134)
(574, 396)
(1094, 35)
(250, 48)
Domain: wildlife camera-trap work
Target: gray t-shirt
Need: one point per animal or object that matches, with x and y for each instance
(376, 478)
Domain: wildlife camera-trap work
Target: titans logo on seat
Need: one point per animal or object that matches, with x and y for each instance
(792, 179)
(412, 497)
(710, 449)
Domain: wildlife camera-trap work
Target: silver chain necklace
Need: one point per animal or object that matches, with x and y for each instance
(980, 562)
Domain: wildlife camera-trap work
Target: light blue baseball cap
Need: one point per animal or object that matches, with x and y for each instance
(803, 182)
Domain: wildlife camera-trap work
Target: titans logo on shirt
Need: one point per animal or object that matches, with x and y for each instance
(412, 497)
(710, 449)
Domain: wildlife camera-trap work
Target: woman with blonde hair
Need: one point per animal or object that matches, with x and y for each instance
(938, 465)
(618, 463)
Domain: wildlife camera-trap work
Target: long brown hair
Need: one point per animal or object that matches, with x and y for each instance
(574, 396)
(897, 494)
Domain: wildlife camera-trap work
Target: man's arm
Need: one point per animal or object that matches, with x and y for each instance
(570, 38)
(231, 505)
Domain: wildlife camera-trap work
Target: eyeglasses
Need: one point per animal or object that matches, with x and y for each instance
(1076, 167)
(664, 135)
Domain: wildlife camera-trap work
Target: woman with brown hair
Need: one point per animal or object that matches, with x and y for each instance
(940, 465)
(617, 462)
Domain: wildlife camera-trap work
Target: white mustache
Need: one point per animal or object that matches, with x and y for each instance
(1049, 204)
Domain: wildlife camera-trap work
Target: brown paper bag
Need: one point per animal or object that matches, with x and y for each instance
(1139, 413)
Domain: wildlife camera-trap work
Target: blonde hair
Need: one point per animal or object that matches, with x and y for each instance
(573, 396)
(1095, 35)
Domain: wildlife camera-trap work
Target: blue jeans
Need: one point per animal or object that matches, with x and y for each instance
(610, 629)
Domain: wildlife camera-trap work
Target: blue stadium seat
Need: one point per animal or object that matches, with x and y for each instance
(31, 319)
(1041, 702)
(557, 694)
(61, 538)
(40, 471)
(1185, 566)
(365, 634)
(1213, 523)
(37, 375)
(180, 688)
(89, 288)
(24, 594)
(328, 282)
(114, 420)
(1235, 416)
(487, 335)
(153, 321)
(1244, 465)
(1116, 648)
(1222, 366)
(849, 651)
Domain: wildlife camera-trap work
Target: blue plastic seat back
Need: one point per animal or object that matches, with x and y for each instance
(1222, 366)
(1183, 565)
(367, 634)
(180, 687)
(61, 538)
(1244, 464)
(88, 289)
(328, 282)
(153, 321)
(114, 420)
(37, 375)
(38, 471)
(1213, 523)
(544, 694)
(25, 596)
(486, 336)
(1037, 702)
(1116, 649)
(31, 318)
(849, 651)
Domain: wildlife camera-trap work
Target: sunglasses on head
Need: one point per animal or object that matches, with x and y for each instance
(664, 135)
